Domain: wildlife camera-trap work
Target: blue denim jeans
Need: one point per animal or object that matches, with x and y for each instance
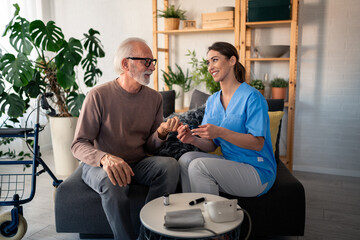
(161, 174)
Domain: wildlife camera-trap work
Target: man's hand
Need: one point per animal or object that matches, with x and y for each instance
(118, 171)
(185, 135)
(171, 125)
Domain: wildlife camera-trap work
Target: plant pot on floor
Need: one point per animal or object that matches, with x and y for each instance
(278, 93)
(62, 135)
(179, 100)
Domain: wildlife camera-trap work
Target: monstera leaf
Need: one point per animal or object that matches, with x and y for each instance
(16, 13)
(69, 56)
(71, 53)
(20, 37)
(49, 37)
(17, 71)
(66, 76)
(16, 105)
(74, 103)
(93, 44)
(89, 62)
(35, 86)
(91, 76)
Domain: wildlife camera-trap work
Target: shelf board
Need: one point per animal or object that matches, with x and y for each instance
(196, 30)
(182, 110)
(267, 59)
(267, 24)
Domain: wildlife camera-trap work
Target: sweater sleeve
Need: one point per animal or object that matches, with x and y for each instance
(154, 142)
(87, 130)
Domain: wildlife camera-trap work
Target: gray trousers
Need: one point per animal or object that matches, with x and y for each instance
(210, 173)
(161, 174)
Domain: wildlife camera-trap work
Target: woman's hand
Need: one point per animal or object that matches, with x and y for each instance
(118, 171)
(171, 125)
(185, 135)
(207, 131)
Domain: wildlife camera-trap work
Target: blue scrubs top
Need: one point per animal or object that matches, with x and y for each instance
(247, 112)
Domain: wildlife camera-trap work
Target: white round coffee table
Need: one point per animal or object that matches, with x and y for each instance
(152, 217)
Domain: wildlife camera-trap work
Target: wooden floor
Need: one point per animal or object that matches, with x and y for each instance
(332, 208)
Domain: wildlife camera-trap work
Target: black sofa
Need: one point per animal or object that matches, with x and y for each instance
(280, 212)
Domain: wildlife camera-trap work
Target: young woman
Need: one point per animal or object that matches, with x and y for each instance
(236, 119)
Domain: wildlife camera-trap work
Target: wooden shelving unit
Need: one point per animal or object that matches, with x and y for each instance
(166, 34)
(242, 41)
(246, 59)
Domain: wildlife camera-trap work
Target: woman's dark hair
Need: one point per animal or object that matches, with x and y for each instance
(228, 50)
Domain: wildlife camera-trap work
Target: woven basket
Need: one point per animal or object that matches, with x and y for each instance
(172, 23)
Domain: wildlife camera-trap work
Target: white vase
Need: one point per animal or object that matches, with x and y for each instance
(179, 101)
(62, 135)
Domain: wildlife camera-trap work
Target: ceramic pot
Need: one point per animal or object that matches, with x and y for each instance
(278, 93)
(179, 100)
(62, 135)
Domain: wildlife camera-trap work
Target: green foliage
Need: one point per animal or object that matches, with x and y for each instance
(258, 84)
(29, 76)
(201, 74)
(177, 78)
(279, 82)
(9, 153)
(171, 12)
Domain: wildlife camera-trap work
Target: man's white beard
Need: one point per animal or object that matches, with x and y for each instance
(142, 80)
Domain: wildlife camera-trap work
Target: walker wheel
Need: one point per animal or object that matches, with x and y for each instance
(18, 233)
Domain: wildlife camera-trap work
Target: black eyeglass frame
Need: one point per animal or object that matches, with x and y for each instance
(148, 61)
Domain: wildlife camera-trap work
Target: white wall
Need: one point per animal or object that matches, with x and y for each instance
(327, 122)
(327, 129)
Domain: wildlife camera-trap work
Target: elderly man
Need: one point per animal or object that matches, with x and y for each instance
(120, 122)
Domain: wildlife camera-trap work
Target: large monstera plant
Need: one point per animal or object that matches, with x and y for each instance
(46, 62)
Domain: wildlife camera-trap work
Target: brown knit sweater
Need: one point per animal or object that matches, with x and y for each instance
(117, 122)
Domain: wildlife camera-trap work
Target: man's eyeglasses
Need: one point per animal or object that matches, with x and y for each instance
(148, 61)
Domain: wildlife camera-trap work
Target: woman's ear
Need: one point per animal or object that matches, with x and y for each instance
(233, 60)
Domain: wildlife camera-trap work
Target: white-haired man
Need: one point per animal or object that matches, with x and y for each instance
(120, 122)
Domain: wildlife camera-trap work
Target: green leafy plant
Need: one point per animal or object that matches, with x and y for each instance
(46, 62)
(177, 78)
(201, 74)
(258, 84)
(172, 12)
(279, 82)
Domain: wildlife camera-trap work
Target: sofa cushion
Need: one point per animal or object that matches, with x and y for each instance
(198, 99)
(173, 147)
(275, 118)
(168, 102)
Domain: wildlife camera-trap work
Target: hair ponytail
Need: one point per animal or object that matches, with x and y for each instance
(239, 72)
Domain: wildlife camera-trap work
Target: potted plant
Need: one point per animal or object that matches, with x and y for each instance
(258, 84)
(200, 73)
(172, 17)
(183, 81)
(46, 62)
(278, 88)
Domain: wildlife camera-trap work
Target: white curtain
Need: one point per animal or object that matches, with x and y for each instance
(31, 10)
